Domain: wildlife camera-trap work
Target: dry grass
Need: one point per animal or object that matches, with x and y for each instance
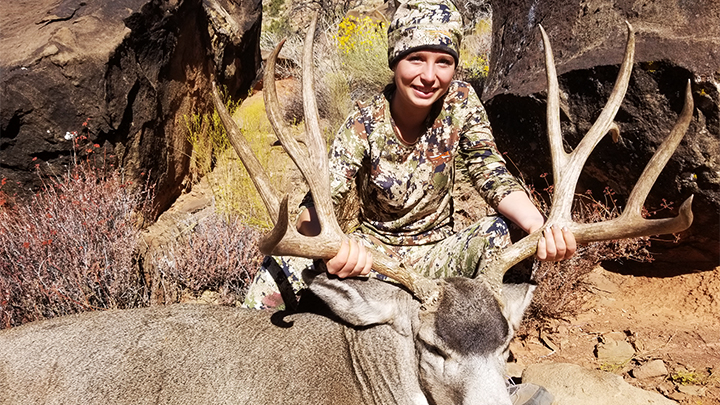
(561, 289)
(214, 158)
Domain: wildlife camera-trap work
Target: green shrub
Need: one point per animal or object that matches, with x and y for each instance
(274, 8)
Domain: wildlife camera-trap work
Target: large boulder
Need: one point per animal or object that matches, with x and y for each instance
(676, 42)
(124, 74)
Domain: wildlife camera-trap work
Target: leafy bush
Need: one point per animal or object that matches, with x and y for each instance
(361, 45)
(274, 7)
(475, 54)
(71, 248)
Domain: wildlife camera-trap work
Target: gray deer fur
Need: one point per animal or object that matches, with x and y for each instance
(373, 344)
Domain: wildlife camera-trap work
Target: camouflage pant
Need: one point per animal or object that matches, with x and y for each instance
(279, 280)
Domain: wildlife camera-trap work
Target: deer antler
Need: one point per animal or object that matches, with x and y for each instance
(567, 168)
(284, 239)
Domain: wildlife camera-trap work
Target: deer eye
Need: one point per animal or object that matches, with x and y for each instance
(435, 350)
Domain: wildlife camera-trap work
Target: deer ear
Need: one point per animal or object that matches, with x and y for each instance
(517, 298)
(363, 301)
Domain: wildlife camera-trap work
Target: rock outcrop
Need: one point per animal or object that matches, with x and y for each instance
(572, 384)
(124, 74)
(676, 42)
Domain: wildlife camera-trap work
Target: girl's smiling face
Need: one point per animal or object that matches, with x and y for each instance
(422, 77)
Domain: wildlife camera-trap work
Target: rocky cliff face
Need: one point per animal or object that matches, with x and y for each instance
(123, 73)
(676, 42)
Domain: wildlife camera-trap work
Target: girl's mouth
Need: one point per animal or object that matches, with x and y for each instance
(424, 92)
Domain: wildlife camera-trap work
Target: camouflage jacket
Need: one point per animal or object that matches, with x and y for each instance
(405, 191)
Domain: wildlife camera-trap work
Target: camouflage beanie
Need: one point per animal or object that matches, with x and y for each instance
(424, 24)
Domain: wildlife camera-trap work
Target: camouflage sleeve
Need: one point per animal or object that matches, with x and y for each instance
(483, 160)
(345, 157)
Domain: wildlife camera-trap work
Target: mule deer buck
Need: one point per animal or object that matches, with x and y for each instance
(422, 342)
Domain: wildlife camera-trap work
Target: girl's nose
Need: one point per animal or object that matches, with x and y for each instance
(428, 72)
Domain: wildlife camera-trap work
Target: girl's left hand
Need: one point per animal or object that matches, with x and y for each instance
(556, 244)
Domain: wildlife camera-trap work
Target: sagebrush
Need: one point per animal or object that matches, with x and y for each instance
(219, 255)
(71, 247)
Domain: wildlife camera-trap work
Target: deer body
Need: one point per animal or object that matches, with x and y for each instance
(177, 354)
(385, 350)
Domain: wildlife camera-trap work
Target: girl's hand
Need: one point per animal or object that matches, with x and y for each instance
(352, 260)
(556, 244)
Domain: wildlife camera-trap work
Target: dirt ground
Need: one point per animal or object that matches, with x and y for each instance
(675, 319)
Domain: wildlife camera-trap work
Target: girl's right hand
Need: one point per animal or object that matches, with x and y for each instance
(352, 260)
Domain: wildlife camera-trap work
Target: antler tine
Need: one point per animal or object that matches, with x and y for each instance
(661, 156)
(252, 164)
(567, 168)
(557, 153)
(285, 239)
(313, 161)
(631, 223)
